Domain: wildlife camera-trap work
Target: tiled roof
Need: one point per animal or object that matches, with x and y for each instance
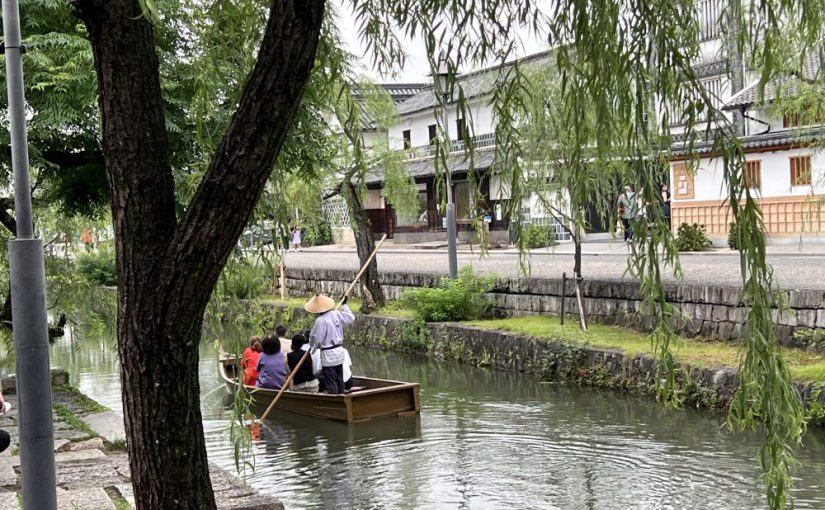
(477, 83)
(402, 91)
(800, 137)
(425, 167)
(811, 68)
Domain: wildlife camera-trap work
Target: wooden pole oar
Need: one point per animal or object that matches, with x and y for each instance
(306, 354)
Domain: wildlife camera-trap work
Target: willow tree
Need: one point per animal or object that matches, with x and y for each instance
(620, 57)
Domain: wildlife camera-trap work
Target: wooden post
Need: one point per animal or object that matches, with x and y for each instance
(582, 316)
(563, 294)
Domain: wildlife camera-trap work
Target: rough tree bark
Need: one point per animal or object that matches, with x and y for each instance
(371, 289)
(167, 268)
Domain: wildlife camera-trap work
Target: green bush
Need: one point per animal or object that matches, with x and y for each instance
(538, 236)
(317, 234)
(692, 237)
(98, 267)
(453, 300)
(242, 281)
(733, 236)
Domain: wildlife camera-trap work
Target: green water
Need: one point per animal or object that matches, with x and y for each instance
(484, 439)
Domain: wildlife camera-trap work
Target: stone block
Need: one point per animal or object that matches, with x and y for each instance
(785, 335)
(736, 314)
(80, 455)
(820, 318)
(806, 318)
(725, 330)
(811, 299)
(84, 499)
(692, 328)
(96, 443)
(786, 318)
(708, 329)
(8, 477)
(8, 501)
(719, 313)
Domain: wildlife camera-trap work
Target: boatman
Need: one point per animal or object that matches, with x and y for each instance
(327, 334)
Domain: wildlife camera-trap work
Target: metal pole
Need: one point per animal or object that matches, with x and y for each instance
(452, 256)
(28, 292)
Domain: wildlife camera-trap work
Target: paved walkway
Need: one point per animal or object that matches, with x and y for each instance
(93, 471)
(800, 266)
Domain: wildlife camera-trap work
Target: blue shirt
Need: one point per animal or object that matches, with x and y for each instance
(271, 371)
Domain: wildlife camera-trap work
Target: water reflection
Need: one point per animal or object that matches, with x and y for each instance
(487, 440)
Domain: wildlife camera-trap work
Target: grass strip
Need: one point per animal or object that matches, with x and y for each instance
(805, 366)
(74, 421)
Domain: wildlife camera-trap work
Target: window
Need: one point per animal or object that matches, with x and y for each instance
(800, 171)
(708, 13)
(433, 133)
(407, 138)
(460, 126)
(753, 174)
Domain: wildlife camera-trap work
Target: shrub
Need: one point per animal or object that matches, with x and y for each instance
(538, 236)
(98, 267)
(317, 234)
(242, 281)
(453, 300)
(692, 237)
(733, 236)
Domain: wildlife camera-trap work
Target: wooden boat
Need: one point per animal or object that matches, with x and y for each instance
(371, 398)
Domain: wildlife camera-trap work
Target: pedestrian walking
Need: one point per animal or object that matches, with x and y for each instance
(296, 238)
(627, 211)
(666, 204)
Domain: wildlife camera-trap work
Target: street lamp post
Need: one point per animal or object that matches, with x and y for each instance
(451, 224)
(28, 293)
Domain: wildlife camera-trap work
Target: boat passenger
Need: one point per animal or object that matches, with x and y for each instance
(250, 361)
(327, 334)
(271, 364)
(280, 330)
(304, 380)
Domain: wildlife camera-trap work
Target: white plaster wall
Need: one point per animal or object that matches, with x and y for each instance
(480, 112)
(709, 51)
(708, 182)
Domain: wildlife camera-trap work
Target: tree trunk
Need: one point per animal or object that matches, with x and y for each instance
(168, 269)
(365, 244)
(577, 257)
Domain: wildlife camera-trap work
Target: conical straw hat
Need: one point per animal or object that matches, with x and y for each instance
(319, 304)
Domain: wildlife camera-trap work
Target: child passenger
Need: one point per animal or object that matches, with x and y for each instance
(250, 361)
(304, 380)
(271, 364)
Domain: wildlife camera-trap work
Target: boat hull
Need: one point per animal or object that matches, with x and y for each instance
(374, 398)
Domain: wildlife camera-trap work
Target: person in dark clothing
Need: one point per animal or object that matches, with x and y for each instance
(304, 380)
(666, 203)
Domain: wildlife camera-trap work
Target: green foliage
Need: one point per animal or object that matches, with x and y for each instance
(241, 280)
(317, 234)
(692, 237)
(98, 267)
(539, 236)
(733, 236)
(453, 300)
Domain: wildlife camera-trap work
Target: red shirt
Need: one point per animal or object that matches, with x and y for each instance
(250, 365)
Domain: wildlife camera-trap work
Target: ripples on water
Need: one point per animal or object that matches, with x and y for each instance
(495, 440)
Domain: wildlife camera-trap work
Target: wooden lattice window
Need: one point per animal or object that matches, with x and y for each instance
(800, 170)
(753, 174)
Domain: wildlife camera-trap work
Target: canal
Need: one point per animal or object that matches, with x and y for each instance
(484, 439)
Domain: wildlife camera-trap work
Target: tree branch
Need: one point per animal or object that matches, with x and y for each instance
(245, 157)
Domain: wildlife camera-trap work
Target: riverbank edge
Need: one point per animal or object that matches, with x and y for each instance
(549, 359)
(102, 449)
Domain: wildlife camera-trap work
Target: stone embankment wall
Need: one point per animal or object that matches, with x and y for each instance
(549, 359)
(712, 312)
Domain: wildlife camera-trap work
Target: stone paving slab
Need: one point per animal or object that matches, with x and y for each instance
(84, 499)
(107, 425)
(79, 455)
(8, 477)
(8, 501)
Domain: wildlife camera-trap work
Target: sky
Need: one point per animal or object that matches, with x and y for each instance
(416, 69)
